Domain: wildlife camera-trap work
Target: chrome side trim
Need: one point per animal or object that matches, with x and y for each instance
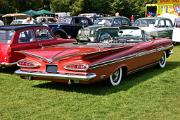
(139, 54)
(37, 56)
(112, 61)
(56, 76)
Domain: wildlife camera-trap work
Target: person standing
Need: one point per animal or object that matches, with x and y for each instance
(28, 20)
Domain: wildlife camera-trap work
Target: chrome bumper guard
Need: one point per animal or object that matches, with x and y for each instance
(56, 76)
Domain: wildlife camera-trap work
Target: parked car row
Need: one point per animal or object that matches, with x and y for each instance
(110, 43)
(155, 26)
(69, 26)
(107, 60)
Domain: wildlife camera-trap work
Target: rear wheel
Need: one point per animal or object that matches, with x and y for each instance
(61, 35)
(105, 38)
(116, 77)
(162, 61)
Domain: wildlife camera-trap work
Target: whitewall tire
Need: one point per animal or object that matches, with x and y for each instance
(162, 61)
(116, 77)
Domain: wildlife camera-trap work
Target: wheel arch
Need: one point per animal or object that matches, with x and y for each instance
(168, 53)
(61, 32)
(125, 70)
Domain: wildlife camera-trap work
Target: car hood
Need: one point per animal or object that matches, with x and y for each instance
(94, 27)
(147, 29)
(51, 54)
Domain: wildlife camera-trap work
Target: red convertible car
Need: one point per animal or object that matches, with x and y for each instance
(111, 60)
(24, 37)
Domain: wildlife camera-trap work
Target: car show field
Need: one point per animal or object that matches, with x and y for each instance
(90, 60)
(147, 95)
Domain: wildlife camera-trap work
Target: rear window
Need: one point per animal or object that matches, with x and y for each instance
(6, 35)
(144, 22)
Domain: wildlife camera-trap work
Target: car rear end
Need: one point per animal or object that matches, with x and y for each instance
(6, 37)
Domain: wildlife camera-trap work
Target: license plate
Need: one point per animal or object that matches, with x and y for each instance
(51, 68)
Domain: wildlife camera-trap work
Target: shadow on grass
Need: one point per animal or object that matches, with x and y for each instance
(9, 70)
(102, 89)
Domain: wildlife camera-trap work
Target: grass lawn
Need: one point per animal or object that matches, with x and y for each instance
(151, 94)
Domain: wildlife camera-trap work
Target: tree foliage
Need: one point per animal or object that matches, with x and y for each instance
(124, 7)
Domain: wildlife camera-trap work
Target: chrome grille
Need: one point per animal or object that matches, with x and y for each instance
(85, 32)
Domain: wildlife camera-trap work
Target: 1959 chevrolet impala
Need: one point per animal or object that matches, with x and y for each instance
(110, 59)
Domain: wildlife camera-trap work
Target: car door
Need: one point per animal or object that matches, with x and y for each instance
(24, 40)
(144, 54)
(169, 28)
(161, 29)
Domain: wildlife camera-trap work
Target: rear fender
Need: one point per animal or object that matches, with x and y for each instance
(60, 32)
(124, 67)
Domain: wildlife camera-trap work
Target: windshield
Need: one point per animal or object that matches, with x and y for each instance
(6, 35)
(66, 20)
(103, 21)
(132, 33)
(14, 22)
(144, 22)
(129, 36)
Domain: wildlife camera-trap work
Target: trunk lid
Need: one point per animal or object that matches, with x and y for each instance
(51, 54)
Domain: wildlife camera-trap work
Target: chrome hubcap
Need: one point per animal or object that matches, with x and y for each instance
(162, 61)
(115, 76)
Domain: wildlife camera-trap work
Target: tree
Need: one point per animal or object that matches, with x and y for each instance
(60, 5)
(77, 7)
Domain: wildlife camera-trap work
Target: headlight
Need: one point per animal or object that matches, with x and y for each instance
(28, 64)
(79, 32)
(76, 66)
(92, 31)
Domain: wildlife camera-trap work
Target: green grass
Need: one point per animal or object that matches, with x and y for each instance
(151, 94)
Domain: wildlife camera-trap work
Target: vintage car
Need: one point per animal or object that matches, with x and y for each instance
(92, 62)
(20, 21)
(92, 16)
(103, 27)
(115, 21)
(156, 26)
(176, 31)
(1, 23)
(23, 37)
(69, 26)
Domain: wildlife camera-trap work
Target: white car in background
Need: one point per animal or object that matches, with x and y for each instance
(1, 23)
(17, 21)
(176, 31)
(20, 21)
(156, 26)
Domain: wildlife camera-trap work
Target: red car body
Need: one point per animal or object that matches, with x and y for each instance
(24, 37)
(94, 62)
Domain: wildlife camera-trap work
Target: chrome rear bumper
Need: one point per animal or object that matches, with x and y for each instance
(56, 76)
